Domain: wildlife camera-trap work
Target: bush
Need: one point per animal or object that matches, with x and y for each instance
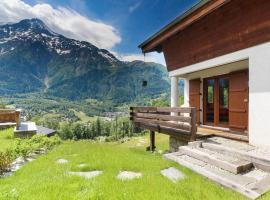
(6, 159)
(24, 147)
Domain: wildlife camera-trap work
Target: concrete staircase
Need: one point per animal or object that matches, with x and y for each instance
(232, 164)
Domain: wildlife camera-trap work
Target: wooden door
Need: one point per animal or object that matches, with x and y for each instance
(238, 101)
(194, 96)
(216, 101)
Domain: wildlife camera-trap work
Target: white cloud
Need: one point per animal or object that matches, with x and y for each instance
(132, 8)
(149, 57)
(62, 20)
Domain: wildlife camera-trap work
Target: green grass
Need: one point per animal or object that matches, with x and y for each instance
(6, 139)
(45, 179)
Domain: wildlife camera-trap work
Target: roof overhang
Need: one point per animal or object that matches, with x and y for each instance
(199, 10)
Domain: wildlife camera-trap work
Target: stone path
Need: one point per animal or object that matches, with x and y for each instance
(128, 175)
(173, 174)
(62, 161)
(87, 175)
(82, 165)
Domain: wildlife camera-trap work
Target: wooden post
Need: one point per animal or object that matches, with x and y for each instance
(152, 141)
(193, 124)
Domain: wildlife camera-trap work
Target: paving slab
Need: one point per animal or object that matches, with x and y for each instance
(128, 175)
(261, 186)
(87, 175)
(62, 161)
(82, 165)
(173, 174)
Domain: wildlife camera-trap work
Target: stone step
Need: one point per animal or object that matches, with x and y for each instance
(246, 183)
(229, 163)
(258, 160)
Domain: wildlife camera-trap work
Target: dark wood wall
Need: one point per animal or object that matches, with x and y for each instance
(237, 25)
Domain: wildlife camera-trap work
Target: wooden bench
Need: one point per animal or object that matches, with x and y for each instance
(174, 121)
(10, 116)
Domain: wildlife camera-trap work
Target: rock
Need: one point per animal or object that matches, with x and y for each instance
(173, 174)
(62, 161)
(40, 151)
(87, 175)
(30, 159)
(19, 160)
(127, 175)
(33, 155)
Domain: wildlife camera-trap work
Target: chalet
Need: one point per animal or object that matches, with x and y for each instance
(221, 50)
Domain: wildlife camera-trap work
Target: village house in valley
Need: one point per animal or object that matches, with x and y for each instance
(221, 49)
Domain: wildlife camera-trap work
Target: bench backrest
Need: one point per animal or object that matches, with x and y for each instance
(175, 121)
(10, 115)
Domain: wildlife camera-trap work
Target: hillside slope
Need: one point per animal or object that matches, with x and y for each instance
(35, 59)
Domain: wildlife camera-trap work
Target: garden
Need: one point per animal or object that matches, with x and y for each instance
(46, 177)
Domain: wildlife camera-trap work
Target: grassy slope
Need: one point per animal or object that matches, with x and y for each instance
(44, 179)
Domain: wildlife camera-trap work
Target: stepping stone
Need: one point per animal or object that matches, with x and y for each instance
(62, 161)
(127, 175)
(87, 175)
(173, 174)
(82, 165)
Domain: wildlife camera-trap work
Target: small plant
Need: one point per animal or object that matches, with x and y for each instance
(24, 147)
(6, 159)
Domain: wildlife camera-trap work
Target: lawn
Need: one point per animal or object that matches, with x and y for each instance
(46, 179)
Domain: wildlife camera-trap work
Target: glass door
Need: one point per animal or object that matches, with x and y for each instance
(210, 89)
(223, 101)
(216, 101)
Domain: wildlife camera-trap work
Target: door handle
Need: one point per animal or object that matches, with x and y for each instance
(245, 100)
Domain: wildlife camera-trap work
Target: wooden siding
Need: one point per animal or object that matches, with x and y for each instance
(238, 103)
(236, 25)
(155, 43)
(195, 96)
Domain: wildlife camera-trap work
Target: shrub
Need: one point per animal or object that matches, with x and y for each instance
(24, 147)
(6, 159)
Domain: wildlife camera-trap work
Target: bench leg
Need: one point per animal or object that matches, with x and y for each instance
(152, 141)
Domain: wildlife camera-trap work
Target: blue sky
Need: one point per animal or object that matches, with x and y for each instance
(127, 22)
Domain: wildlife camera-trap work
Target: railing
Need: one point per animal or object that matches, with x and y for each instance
(177, 122)
(10, 115)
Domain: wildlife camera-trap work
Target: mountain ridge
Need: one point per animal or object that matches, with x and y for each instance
(35, 59)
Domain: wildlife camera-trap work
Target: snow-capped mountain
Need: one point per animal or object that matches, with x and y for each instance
(34, 30)
(35, 59)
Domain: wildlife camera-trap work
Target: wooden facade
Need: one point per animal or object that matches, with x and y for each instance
(235, 25)
(195, 96)
(238, 105)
